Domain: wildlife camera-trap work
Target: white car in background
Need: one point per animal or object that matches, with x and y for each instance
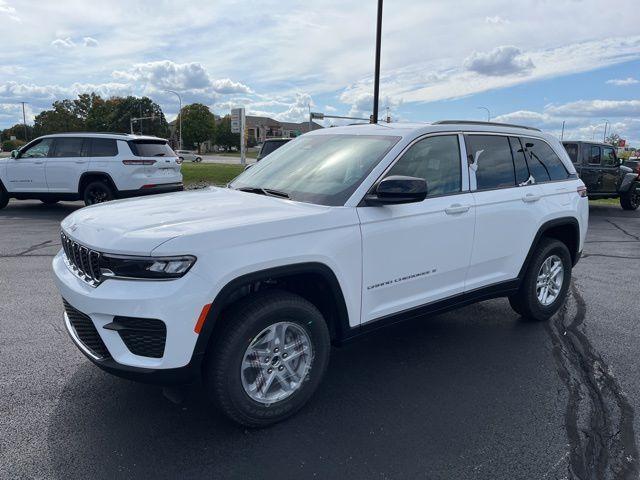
(188, 155)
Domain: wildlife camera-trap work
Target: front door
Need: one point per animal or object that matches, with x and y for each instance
(610, 170)
(591, 172)
(417, 253)
(26, 173)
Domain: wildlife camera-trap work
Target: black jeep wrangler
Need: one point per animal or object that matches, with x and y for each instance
(604, 174)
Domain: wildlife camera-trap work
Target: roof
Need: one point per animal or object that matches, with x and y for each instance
(118, 136)
(590, 142)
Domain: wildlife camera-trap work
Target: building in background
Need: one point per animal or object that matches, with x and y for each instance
(261, 128)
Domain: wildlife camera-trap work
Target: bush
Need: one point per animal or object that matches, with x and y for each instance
(9, 145)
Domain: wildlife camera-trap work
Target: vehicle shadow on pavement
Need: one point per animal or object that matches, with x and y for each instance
(449, 397)
(37, 210)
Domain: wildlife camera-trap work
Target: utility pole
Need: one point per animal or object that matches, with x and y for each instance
(376, 80)
(562, 134)
(604, 135)
(24, 122)
(179, 117)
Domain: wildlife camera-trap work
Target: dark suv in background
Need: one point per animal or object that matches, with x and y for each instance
(604, 174)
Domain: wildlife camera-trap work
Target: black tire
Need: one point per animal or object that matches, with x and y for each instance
(630, 200)
(97, 192)
(525, 302)
(49, 201)
(243, 323)
(198, 159)
(4, 197)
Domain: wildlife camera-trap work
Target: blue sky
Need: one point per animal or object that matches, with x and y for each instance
(536, 62)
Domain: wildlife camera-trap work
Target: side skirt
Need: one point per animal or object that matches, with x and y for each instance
(502, 289)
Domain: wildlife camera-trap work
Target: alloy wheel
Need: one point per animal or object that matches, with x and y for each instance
(549, 280)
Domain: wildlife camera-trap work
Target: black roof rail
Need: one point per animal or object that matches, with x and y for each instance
(474, 122)
(92, 133)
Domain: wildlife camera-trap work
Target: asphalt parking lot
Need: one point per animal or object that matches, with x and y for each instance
(475, 393)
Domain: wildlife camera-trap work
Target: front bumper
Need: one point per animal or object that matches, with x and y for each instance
(177, 303)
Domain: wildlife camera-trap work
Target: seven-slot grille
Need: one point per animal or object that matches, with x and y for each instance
(82, 260)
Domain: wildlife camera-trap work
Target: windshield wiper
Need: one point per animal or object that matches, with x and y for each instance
(264, 191)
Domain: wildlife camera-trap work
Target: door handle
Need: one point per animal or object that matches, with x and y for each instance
(530, 197)
(457, 208)
(80, 161)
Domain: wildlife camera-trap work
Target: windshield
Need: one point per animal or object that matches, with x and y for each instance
(321, 169)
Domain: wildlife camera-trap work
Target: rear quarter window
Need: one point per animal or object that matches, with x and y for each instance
(103, 147)
(543, 162)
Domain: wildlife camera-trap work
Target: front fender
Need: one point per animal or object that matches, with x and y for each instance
(627, 182)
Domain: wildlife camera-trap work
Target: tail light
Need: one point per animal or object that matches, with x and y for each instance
(138, 162)
(582, 191)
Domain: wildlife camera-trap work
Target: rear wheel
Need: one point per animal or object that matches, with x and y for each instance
(4, 197)
(97, 192)
(198, 159)
(545, 283)
(269, 358)
(631, 200)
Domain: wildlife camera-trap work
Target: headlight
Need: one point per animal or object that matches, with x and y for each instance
(145, 267)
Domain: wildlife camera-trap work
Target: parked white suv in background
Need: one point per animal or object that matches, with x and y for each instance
(94, 167)
(338, 232)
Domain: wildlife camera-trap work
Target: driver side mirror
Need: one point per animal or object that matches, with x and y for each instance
(398, 189)
(15, 153)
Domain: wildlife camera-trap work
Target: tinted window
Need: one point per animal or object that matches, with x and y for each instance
(491, 155)
(572, 150)
(68, 147)
(271, 146)
(609, 157)
(151, 148)
(37, 150)
(437, 160)
(519, 161)
(594, 155)
(103, 147)
(543, 162)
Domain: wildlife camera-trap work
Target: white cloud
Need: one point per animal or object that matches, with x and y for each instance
(622, 82)
(597, 108)
(63, 43)
(503, 60)
(9, 11)
(90, 42)
(227, 86)
(496, 20)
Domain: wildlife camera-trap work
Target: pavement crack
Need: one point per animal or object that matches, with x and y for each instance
(606, 255)
(37, 246)
(598, 416)
(636, 237)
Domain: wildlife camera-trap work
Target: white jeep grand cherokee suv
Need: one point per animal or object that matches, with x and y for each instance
(94, 167)
(338, 232)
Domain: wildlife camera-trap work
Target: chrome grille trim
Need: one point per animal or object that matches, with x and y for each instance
(82, 261)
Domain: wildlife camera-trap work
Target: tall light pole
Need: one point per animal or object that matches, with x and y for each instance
(376, 80)
(179, 117)
(488, 113)
(604, 135)
(24, 122)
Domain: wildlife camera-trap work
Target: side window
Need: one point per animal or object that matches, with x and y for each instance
(547, 164)
(609, 157)
(38, 150)
(68, 147)
(594, 155)
(437, 160)
(519, 160)
(103, 147)
(492, 157)
(572, 150)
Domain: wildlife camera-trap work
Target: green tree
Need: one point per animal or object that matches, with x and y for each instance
(198, 124)
(613, 139)
(223, 137)
(61, 118)
(120, 110)
(17, 131)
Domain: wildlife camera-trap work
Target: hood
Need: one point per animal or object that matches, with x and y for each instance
(138, 226)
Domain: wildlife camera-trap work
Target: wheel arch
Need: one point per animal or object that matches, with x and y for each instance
(565, 229)
(88, 177)
(314, 281)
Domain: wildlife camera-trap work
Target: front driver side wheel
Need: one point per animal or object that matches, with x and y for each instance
(4, 197)
(268, 359)
(631, 200)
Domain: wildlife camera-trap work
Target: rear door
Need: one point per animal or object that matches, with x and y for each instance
(66, 164)
(508, 208)
(27, 172)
